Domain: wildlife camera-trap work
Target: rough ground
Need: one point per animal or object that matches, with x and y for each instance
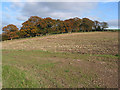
(83, 43)
(65, 60)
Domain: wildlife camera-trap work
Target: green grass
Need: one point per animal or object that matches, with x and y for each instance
(44, 69)
(73, 60)
(14, 77)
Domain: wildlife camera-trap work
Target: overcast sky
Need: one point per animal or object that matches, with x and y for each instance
(17, 12)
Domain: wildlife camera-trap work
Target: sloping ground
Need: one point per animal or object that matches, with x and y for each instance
(25, 64)
(83, 43)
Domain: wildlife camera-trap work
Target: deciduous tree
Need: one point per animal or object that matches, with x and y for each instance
(10, 32)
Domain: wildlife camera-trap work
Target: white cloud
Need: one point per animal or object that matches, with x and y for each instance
(61, 15)
(18, 24)
(5, 23)
(17, 5)
(61, 10)
(94, 18)
(57, 10)
(21, 18)
(113, 22)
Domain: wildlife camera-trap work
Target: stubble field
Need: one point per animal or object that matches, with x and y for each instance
(73, 60)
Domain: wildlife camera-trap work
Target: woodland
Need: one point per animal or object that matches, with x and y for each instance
(37, 26)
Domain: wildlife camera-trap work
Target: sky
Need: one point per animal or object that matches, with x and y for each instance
(18, 11)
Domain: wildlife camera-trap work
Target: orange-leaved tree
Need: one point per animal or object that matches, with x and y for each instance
(10, 32)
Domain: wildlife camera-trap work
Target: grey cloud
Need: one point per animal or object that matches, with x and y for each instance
(57, 9)
(21, 18)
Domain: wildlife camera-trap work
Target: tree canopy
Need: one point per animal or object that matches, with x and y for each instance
(37, 26)
(10, 32)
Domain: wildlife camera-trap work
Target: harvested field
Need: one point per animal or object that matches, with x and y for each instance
(73, 60)
(83, 43)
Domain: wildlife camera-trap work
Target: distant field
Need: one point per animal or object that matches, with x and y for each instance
(73, 60)
(82, 43)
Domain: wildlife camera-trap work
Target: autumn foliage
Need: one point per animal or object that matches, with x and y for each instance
(10, 32)
(36, 26)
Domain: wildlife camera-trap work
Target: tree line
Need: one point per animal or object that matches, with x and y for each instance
(37, 26)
